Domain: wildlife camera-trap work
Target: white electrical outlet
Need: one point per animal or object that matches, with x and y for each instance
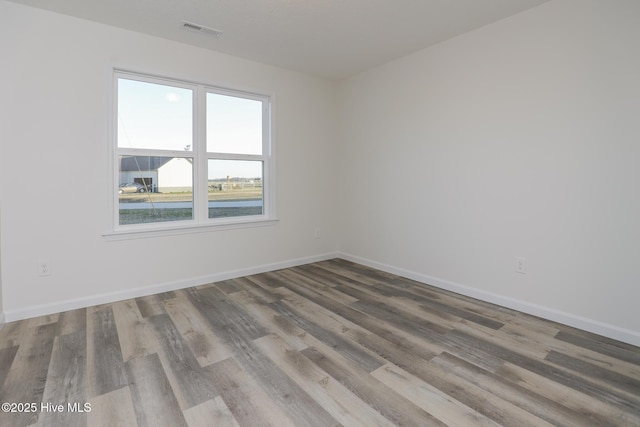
(44, 268)
(316, 233)
(521, 265)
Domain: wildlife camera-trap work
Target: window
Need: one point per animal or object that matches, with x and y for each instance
(189, 155)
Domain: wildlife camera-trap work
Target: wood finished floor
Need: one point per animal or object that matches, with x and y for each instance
(330, 343)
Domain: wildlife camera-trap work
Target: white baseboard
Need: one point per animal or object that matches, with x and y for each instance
(590, 325)
(60, 306)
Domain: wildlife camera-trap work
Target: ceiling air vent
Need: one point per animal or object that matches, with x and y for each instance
(197, 28)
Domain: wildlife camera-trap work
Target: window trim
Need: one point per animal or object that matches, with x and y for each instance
(200, 220)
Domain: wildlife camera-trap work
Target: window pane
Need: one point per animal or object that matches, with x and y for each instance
(235, 188)
(234, 125)
(155, 189)
(154, 116)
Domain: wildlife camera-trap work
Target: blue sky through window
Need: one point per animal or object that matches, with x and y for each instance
(160, 117)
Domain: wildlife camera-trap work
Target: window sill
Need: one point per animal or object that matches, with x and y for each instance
(145, 233)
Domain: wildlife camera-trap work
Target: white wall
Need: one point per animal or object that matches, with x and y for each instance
(55, 86)
(2, 318)
(518, 139)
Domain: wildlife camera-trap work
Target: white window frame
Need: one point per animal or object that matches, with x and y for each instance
(200, 156)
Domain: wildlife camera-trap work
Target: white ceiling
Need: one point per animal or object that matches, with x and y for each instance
(329, 38)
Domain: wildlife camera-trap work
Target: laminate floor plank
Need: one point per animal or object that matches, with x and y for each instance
(361, 273)
(498, 314)
(213, 412)
(592, 357)
(371, 294)
(181, 367)
(539, 344)
(26, 379)
(371, 323)
(72, 321)
(326, 288)
(154, 401)
(433, 314)
(227, 286)
(405, 321)
(380, 397)
(105, 365)
(11, 334)
(354, 352)
(267, 280)
(317, 313)
(540, 406)
(260, 294)
(258, 287)
(68, 367)
(292, 399)
(598, 413)
(435, 306)
(565, 377)
(342, 404)
(275, 322)
(525, 323)
(386, 341)
(591, 339)
(238, 330)
(47, 319)
(592, 372)
(220, 312)
(446, 409)
(151, 305)
(476, 398)
(618, 351)
(529, 347)
(352, 271)
(426, 331)
(314, 295)
(360, 318)
(245, 398)
(205, 345)
(6, 360)
(378, 288)
(135, 333)
(113, 409)
(324, 344)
